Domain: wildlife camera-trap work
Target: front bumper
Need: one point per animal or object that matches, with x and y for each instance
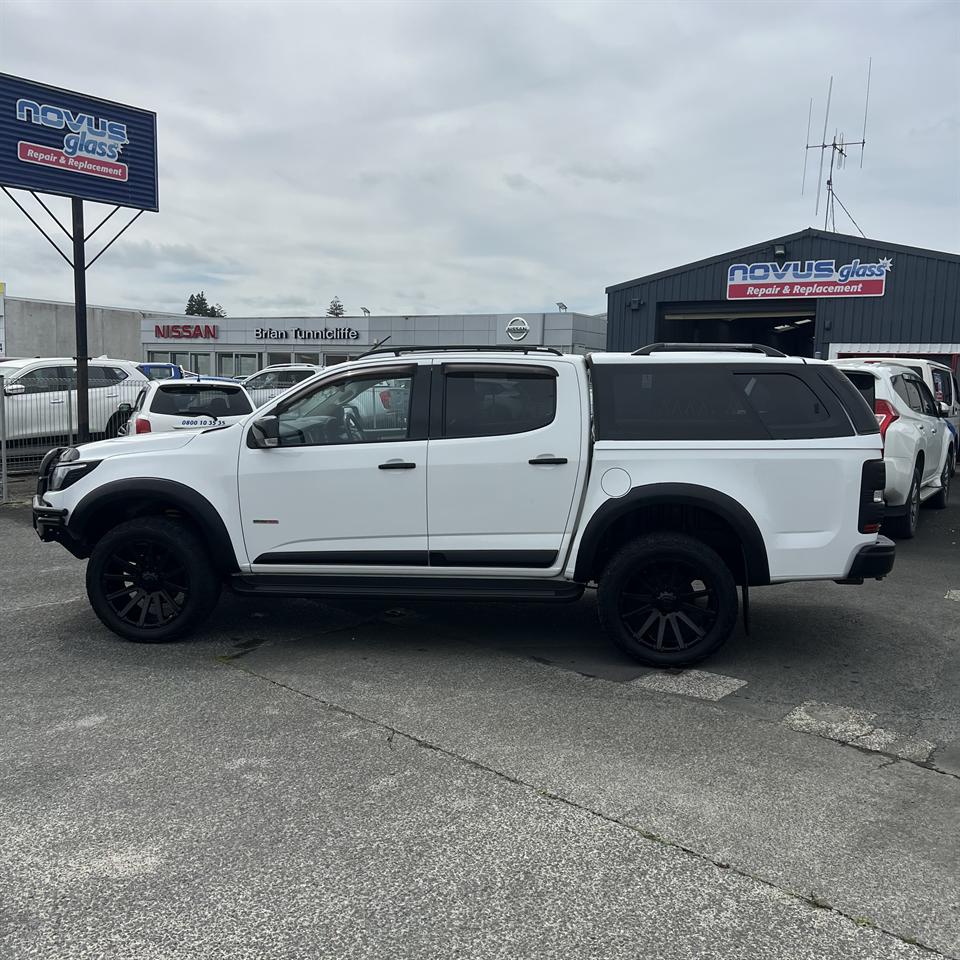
(51, 526)
(873, 561)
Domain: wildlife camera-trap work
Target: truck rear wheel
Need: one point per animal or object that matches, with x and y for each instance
(668, 600)
(151, 580)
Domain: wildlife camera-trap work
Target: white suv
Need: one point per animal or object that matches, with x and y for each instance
(40, 396)
(166, 405)
(941, 382)
(917, 442)
(271, 381)
(672, 478)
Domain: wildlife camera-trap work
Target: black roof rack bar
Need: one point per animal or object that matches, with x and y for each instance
(453, 348)
(707, 347)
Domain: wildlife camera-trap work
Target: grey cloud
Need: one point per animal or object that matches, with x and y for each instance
(483, 156)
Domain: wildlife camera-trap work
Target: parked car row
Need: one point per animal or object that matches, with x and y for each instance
(919, 444)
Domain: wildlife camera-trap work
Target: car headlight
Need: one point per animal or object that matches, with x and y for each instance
(66, 474)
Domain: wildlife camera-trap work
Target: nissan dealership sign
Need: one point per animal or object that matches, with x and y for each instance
(807, 279)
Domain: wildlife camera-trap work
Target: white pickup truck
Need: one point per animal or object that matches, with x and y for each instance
(667, 478)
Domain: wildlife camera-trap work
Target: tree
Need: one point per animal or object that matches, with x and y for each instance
(336, 308)
(197, 306)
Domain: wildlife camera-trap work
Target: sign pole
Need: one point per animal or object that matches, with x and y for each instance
(80, 300)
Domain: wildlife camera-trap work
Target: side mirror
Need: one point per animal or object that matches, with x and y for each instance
(943, 408)
(14, 389)
(264, 433)
(125, 408)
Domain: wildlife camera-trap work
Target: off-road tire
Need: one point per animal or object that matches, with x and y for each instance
(152, 554)
(654, 573)
(905, 527)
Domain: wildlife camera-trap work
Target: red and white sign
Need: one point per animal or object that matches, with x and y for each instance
(808, 279)
(53, 157)
(186, 331)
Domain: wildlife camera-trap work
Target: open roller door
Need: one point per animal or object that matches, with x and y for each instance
(790, 329)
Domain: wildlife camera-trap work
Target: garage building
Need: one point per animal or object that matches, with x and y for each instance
(811, 293)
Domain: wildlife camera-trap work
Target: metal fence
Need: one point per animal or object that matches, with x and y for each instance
(38, 413)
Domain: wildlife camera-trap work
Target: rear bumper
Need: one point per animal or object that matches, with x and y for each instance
(874, 561)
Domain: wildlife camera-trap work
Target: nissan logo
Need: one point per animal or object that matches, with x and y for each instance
(518, 328)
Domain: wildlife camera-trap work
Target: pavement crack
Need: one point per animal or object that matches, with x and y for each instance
(811, 899)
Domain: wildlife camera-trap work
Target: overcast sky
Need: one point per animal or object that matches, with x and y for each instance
(464, 157)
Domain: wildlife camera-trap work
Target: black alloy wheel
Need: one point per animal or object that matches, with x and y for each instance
(668, 600)
(150, 580)
(668, 606)
(145, 584)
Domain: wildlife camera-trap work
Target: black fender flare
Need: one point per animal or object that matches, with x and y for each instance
(683, 494)
(198, 508)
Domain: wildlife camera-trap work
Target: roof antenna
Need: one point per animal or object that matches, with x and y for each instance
(839, 152)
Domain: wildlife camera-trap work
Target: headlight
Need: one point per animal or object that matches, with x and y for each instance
(66, 474)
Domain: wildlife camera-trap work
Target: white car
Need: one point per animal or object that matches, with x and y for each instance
(672, 478)
(917, 442)
(40, 396)
(941, 382)
(271, 381)
(167, 405)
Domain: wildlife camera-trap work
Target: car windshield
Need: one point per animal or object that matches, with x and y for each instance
(8, 371)
(216, 401)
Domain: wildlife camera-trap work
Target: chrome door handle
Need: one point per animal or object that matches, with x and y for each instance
(57, 401)
(113, 394)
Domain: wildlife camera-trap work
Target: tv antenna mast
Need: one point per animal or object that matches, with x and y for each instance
(839, 155)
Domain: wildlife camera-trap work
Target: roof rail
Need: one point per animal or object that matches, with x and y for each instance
(707, 347)
(453, 348)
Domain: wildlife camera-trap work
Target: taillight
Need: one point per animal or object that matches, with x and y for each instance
(385, 399)
(885, 416)
(141, 425)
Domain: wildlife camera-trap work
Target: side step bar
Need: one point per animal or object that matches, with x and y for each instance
(409, 588)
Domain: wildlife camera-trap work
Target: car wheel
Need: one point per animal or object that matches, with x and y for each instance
(667, 600)
(150, 580)
(905, 527)
(939, 500)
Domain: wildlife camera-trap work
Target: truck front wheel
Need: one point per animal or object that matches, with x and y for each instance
(668, 600)
(151, 580)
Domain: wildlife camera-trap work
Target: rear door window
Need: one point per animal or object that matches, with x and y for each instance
(491, 403)
(199, 399)
(927, 403)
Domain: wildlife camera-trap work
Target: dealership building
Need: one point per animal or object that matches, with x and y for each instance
(811, 293)
(232, 346)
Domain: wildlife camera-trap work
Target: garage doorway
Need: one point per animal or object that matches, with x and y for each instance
(790, 329)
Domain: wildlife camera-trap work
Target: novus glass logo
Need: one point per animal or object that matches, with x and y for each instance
(91, 144)
(809, 278)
